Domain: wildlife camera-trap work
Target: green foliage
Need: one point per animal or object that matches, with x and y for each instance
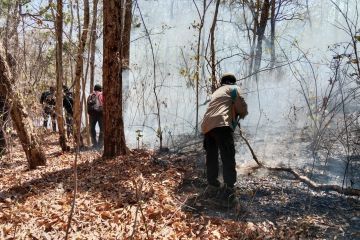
(357, 37)
(67, 18)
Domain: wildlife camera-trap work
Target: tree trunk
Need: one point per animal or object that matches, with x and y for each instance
(93, 38)
(272, 36)
(23, 124)
(70, 59)
(252, 42)
(114, 144)
(197, 67)
(3, 118)
(59, 75)
(212, 48)
(79, 73)
(261, 31)
(126, 29)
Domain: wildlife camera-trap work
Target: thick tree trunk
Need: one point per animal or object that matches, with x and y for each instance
(79, 73)
(19, 115)
(261, 31)
(212, 48)
(59, 76)
(93, 38)
(114, 144)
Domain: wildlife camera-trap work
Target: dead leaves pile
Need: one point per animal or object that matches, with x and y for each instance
(130, 197)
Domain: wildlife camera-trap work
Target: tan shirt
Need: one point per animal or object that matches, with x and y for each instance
(225, 106)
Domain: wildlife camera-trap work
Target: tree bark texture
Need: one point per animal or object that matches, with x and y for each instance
(23, 124)
(3, 118)
(212, 48)
(59, 75)
(252, 42)
(198, 64)
(114, 144)
(93, 38)
(272, 34)
(79, 73)
(261, 31)
(127, 13)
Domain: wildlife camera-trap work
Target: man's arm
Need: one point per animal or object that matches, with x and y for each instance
(240, 106)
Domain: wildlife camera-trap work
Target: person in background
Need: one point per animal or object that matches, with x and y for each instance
(68, 103)
(48, 102)
(95, 111)
(225, 108)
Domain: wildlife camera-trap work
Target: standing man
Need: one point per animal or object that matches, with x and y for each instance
(221, 117)
(68, 103)
(48, 101)
(95, 111)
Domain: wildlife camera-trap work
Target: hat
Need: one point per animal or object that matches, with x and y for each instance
(97, 87)
(228, 78)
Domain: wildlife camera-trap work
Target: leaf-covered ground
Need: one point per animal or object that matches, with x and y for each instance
(149, 196)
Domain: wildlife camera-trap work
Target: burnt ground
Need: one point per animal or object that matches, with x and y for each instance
(170, 188)
(275, 200)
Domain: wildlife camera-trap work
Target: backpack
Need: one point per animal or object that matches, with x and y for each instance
(94, 105)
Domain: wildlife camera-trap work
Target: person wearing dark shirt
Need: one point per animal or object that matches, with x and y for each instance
(95, 111)
(48, 101)
(68, 103)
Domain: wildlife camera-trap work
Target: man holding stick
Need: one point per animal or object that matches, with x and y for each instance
(220, 120)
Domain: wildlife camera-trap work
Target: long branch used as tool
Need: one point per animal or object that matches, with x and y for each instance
(250, 148)
(322, 187)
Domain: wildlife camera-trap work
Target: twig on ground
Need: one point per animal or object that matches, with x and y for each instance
(313, 185)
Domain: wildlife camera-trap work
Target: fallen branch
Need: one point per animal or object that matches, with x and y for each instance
(313, 185)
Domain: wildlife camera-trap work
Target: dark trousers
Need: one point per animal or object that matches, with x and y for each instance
(96, 119)
(69, 123)
(220, 139)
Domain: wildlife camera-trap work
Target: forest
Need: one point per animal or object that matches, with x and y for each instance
(179, 119)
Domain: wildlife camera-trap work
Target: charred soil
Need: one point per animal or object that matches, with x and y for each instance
(149, 195)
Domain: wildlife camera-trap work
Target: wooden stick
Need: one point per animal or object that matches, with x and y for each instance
(313, 185)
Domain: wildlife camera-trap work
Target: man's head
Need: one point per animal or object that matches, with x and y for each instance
(52, 89)
(228, 78)
(65, 89)
(98, 88)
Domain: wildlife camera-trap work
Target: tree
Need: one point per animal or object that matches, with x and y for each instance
(93, 38)
(261, 32)
(198, 58)
(19, 115)
(126, 34)
(114, 144)
(272, 33)
(212, 48)
(59, 75)
(79, 73)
